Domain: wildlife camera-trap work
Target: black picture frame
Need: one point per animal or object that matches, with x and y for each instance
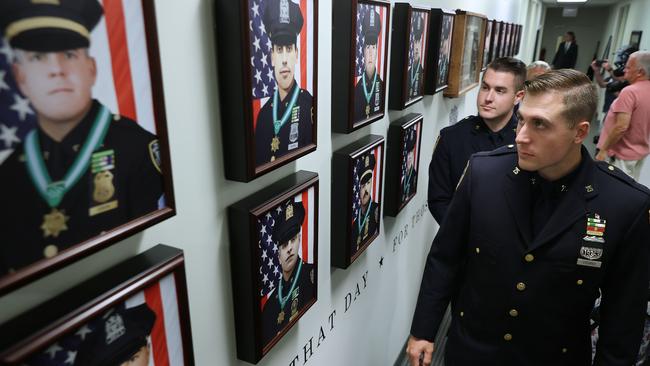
(347, 114)
(635, 38)
(401, 181)
(496, 39)
(467, 53)
(254, 224)
(128, 295)
(487, 49)
(251, 145)
(349, 168)
(441, 30)
(407, 81)
(87, 229)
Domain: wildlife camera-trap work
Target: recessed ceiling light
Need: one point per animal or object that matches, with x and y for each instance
(571, 1)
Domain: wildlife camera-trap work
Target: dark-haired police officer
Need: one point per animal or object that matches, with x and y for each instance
(410, 178)
(366, 222)
(415, 71)
(83, 170)
(121, 338)
(369, 91)
(494, 126)
(285, 122)
(295, 288)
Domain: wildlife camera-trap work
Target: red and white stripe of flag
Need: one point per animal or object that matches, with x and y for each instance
(307, 247)
(119, 46)
(375, 173)
(166, 341)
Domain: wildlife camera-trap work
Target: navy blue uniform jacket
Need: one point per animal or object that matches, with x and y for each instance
(454, 147)
(521, 301)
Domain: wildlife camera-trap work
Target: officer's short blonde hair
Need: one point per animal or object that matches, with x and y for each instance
(578, 93)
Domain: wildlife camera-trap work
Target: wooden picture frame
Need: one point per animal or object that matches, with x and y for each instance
(274, 240)
(72, 194)
(355, 102)
(441, 28)
(269, 115)
(136, 304)
(467, 53)
(402, 162)
(409, 49)
(357, 171)
(487, 49)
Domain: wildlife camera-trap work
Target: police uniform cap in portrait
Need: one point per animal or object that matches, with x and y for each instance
(119, 337)
(415, 71)
(369, 91)
(285, 122)
(296, 284)
(83, 170)
(366, 222)
(409, 181)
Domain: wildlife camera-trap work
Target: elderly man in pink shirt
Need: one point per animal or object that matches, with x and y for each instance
(625, 139)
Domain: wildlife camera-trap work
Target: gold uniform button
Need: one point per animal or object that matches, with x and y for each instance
(611, 167)
(564, 350)
(579, 282)
(529, 258)
(50, 251)
(462, 314)
(507, 337)
(521, 286)
(513, 313)
(478, 250)
(511, 146)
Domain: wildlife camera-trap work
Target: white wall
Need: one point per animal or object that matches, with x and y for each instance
(374, 328)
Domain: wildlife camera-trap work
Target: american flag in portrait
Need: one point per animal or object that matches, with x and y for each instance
(166, 339)
(262, 78)
(123, 81)
(270, 271)
(362, 10)
(357, 169)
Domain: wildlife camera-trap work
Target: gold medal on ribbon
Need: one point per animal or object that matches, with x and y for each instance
(281, 317)
(358, 241)
(104, 188)
(54, 223)
(367, 110)
(275, 144)
(294, 308)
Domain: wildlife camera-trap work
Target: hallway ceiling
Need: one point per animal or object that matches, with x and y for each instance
(554, 3)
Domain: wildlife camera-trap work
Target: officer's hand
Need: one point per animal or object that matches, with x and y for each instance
(594, 66)
(419, 351)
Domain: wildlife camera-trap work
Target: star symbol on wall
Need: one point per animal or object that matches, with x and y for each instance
(381, 261)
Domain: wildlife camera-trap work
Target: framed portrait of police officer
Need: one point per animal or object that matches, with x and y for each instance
(408, 54)
(467, 53)
(357, 180)
(268, 90)
(359, 63)
(135, 313)
(402, 162)
(438, 55)
(84, 157)
(275, 257)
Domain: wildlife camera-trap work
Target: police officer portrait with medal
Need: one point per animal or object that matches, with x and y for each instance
(83, 170)
(365, 223)
(369, 90)
(416, 70)
(295, 287)
(410, 178)
(285, 122)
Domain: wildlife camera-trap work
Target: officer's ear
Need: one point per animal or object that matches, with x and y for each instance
(581, 131)
(519, 96)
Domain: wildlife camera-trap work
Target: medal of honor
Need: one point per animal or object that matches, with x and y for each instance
(358, 241)
(368, 94)
(367, 110)
(281, 317)
(294, 308)
(54, 223)
(275, 144)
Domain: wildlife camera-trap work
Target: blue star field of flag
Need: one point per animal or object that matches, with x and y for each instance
(412, 39)
(356, 191)
(16, 115)
(270, 271)
(261, 70)
(64, 351)
(362, 10)
(409, 134)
